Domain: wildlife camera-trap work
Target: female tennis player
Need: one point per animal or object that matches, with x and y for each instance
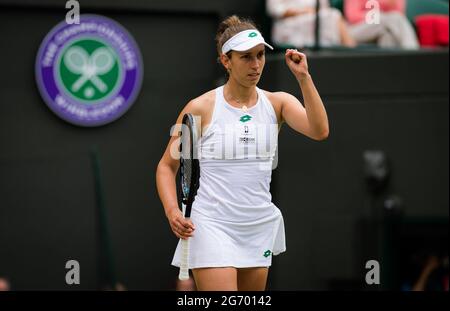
(234, 228)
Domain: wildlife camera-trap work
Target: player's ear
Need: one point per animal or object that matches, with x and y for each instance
(225, 60)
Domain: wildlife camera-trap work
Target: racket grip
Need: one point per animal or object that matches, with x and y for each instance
(184, 270)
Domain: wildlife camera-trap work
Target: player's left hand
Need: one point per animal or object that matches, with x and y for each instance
(297, 63)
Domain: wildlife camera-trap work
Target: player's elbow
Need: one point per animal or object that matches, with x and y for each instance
(322, 135)
(165, 167)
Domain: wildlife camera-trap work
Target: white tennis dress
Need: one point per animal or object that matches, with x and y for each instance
(236, 223)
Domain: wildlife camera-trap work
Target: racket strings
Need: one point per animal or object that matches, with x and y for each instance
(186, 160)
(186, 177)
(189, 166)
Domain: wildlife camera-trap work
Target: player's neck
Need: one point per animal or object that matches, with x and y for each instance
(238, 95)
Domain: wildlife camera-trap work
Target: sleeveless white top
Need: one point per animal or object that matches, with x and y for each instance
(236, 222)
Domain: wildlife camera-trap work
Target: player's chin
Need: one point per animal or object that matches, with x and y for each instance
(252, 81)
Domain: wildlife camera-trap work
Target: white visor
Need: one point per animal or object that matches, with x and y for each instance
(243, 41)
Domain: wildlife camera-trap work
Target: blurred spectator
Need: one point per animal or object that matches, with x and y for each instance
(434, 275)
(294, 23)
(4, 285)
(393, 28)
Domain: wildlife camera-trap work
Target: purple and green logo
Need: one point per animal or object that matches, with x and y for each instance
(89, 74)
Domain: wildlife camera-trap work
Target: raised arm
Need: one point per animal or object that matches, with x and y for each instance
(312, 119)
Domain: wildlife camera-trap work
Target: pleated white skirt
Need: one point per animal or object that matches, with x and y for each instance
(221, 243)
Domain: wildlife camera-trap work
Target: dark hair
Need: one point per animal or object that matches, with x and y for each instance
(229, 27)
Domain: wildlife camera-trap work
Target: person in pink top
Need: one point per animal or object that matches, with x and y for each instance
(380, 21)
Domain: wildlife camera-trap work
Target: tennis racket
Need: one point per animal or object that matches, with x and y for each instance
(189, 178)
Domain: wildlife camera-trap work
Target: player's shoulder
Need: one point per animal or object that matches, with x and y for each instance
(202, 103)
(206, 98)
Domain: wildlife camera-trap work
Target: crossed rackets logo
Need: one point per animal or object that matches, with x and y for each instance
(78, 61)
(88, 71)
(89, 74)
